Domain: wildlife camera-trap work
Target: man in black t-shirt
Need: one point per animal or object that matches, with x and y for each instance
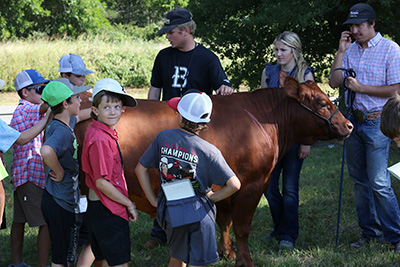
(185, 64)
(182, 66)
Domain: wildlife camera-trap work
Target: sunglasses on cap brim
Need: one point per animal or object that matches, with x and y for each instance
(38, 89)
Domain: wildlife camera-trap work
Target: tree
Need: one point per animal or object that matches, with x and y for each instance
(243, 31)
(19, 17)
(22, 18)
(140, 12)
(74, 17)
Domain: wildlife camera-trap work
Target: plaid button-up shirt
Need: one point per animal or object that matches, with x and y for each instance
(376, 65)
(27, 162)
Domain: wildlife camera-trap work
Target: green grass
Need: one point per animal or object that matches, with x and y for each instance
(129, 62)
(319, 192)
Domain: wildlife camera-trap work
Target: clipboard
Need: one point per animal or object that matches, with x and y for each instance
(395, 170)
(178, 189)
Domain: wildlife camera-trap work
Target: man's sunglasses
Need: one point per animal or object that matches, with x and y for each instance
(38, 89)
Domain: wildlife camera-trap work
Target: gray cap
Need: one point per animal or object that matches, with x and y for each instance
(75, 89)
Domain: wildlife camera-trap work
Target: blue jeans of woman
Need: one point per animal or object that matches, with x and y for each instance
(284, 206)
(367, 159)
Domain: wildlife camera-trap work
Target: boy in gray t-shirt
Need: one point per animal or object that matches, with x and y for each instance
(182, 156)
(59, 152)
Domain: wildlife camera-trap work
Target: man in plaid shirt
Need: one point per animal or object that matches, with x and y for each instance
(376, 62)
(27, 170)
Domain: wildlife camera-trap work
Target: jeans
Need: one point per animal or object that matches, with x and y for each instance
(284, 206)
(367, 158)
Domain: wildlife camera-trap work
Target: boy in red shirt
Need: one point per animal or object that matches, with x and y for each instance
(109, 208)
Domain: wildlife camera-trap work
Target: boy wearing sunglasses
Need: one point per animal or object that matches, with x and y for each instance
(27, 170)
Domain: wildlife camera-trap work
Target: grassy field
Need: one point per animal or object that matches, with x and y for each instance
(128, 61)
(319, 191)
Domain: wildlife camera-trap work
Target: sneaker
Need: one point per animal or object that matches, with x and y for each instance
(271, 237)
(397, 247)
(364, 240)
(152, 243)
(285, 244)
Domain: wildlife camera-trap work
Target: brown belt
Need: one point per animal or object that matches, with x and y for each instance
(360, 116)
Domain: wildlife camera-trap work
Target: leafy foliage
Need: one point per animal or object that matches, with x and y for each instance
(140, 12)
(74, 16)
(18, 17)
(244, 30)
(130, 69)
(22, 18)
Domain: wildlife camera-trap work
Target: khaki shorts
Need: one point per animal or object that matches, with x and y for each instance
(27, 205)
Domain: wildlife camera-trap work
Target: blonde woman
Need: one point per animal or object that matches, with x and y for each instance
(284, 205)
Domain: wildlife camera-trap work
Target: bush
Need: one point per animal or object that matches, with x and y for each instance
(130, 69)
(128, 61)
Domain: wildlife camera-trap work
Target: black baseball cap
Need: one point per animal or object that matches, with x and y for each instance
(360, 13)
(174, 18)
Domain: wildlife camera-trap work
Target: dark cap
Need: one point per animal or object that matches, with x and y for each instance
(359, 14)
(174, 18)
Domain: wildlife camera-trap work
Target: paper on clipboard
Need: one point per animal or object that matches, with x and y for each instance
(395, 170)
(178, 189)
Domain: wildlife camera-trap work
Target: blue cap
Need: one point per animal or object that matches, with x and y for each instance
(28, 77)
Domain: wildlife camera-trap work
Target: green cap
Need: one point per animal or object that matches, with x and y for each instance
(56, 92)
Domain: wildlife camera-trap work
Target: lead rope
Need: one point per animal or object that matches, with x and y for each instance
(351, 96)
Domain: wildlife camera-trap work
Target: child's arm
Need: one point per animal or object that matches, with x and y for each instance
(111, 192)
(144, 180)
(2, 201)
(32, 132)
(83, 115)
(231, 186)
(50, 160)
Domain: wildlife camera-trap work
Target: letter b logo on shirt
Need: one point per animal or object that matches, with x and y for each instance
(179, 77)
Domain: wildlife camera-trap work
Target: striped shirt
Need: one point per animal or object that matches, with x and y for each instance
(376, 65)
(27, 162)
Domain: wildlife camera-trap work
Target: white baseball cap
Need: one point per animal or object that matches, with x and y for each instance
(113, 86)
(72, 63)
(195, 106)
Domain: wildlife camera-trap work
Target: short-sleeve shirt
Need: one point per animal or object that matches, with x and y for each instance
(179, 155)
(27, 162)
(176, 72)
(61, 138)
(8, 136)
(101, 159)
(272, 74)
(376, 65)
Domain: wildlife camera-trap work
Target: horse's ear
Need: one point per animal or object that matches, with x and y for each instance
(290, 85)
(282, 78)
